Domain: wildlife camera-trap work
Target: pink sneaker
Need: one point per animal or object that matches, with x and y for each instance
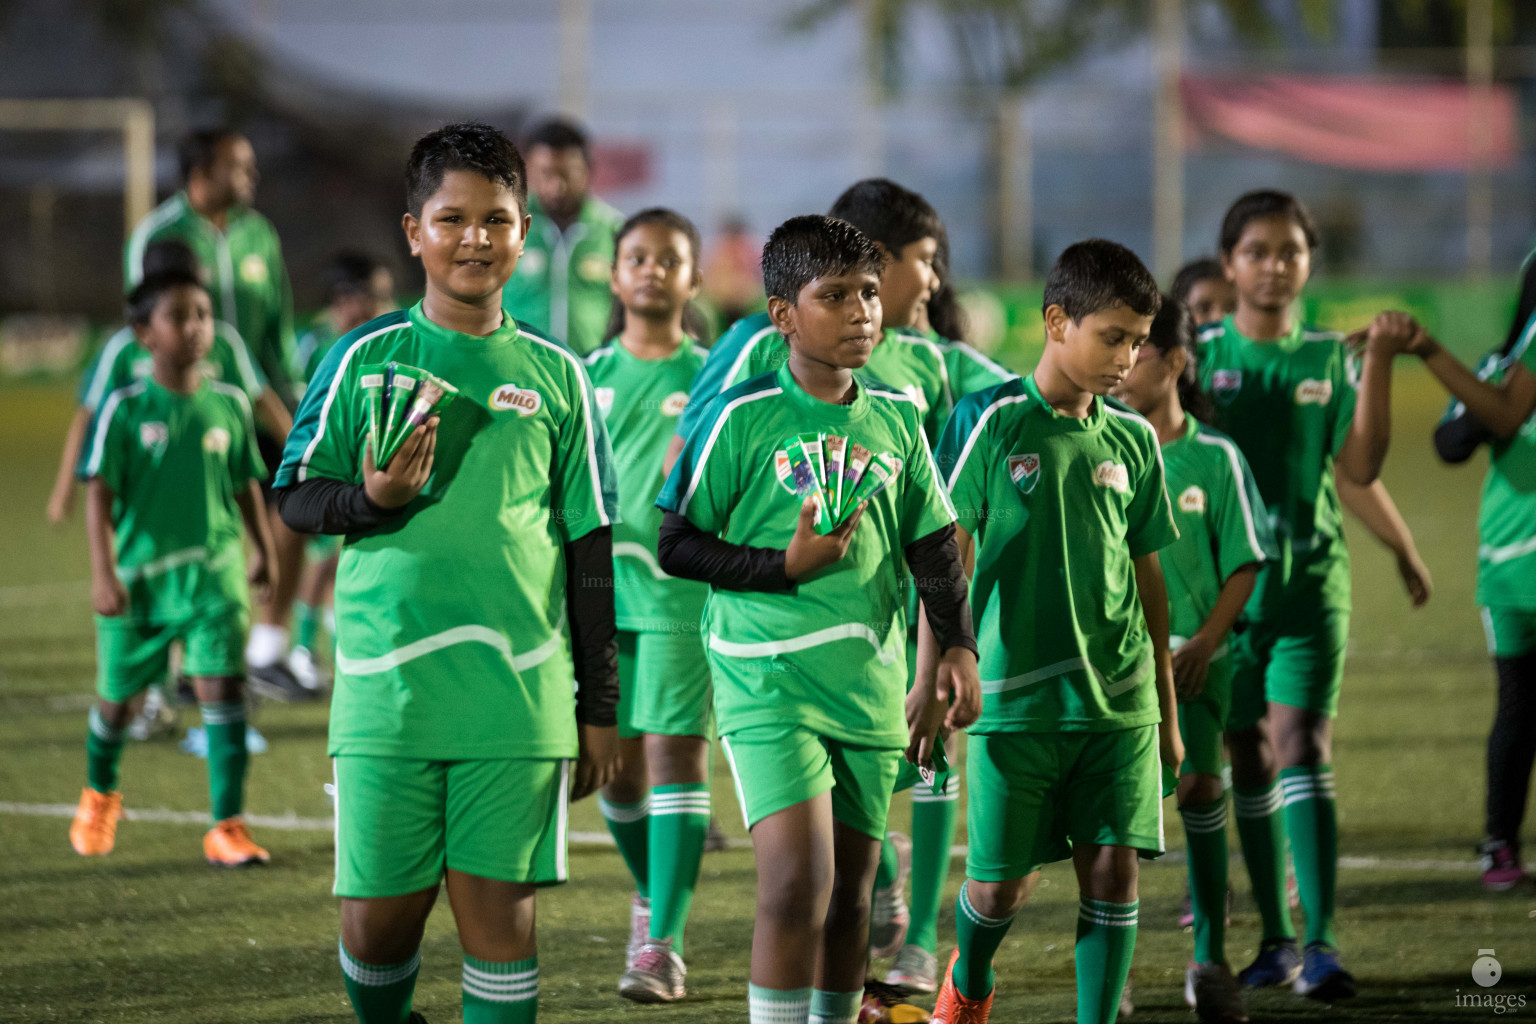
(1502, 870)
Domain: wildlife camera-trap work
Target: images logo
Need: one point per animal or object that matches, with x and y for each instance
(674, 404)
(1487, 972)
(523, 401)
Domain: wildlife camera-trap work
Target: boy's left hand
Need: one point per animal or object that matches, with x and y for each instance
(929, 709)
(598, 760)
(1170, 745)
(1415, 575)
(1191, 666)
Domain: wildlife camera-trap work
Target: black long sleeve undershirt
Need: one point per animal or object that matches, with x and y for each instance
(686, 551)
(322, 505)
(1457, 438)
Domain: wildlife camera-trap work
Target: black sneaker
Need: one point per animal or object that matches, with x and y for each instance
(415, 1018)
(277, 682)
(185, 692)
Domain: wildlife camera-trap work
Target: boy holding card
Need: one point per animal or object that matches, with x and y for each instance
(806, 631)
(474, 582)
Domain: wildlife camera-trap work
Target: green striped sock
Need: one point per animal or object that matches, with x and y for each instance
(224, 725)
(103, 749)
(1106, 939)
(835, 1007)
(933, 833)
(1312, 819)
(978, 938)
(1205, 833)
(679, 819)
(380, 994)
(1261, 833)
(501, 993)
(778, 1006)
(629, 824)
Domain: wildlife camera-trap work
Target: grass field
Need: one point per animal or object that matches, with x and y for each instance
(151, 934)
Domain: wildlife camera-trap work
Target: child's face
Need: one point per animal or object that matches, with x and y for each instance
(835, 320)
(1270, 263)
(180, 330)
(559, 177)
(908, 281)
(654, 274)
(1098, 351)
(469, 237)
(1211, 299)
(1153, 377)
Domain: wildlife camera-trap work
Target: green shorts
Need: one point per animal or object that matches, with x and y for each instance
(1297, 661)
(1031, 795)
(133, 656)
(1202, 721)
(1511, 631)
(778, 766)
(664, 685)
(400, 822)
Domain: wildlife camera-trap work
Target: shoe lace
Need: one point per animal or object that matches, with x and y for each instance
(653, 959)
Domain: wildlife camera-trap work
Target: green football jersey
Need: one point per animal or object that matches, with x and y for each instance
(561, 283)
(829, 654)
(1506, 519)
(451, 632)
(1288, 404)
(1059, 508)
(1221, 521)
(312, 348)
(749, 348)
(640, 400)
(245, 273)
(175, 463)
(122, 361)
(969, 371)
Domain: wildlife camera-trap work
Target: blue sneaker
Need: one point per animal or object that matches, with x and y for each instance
(1322, 978)
(1278, 963)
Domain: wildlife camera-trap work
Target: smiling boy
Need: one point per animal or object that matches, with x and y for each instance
(474, 582)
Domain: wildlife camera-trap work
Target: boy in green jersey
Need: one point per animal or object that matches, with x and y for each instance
(172, 471)
(561, 284)
(1062, 493)
(1498, 405)
(658, 806)
(475, 583)
(1298, 407)
(1210, 572)
(806, 631)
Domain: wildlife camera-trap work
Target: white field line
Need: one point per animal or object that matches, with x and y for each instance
(28, 593)
(293, 823)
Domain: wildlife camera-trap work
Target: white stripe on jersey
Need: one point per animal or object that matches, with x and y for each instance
(746, 351)
(1242, 491)
(933, 467)
(330, 395)
(1157, 447)
(714, 433)
(104, 422)
(970, 441)
(139, 240)
(586, 418)
(96, 392)
(449, 638)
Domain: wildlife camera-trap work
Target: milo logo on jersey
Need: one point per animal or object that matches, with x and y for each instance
(1024, 471)
(674, 404)
(1314, 392)
(523, 401)
(1225, 384)
(1192, 500)
(1112, 475)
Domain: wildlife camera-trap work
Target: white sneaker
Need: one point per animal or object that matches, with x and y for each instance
(1214, 994)
(639, 928)
(889, 916)
(656, 975)
(914, 969)
(301, 661)
(156, 718)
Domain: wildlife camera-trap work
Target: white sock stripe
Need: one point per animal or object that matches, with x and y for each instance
(935, 798)
(376, 977)
(222, 713)
(623, 815)
(680, 799)
(977, 917)
(471, 989)
(1109, 909)
(794, 1011)
(1214, 814)
(1258, 806)
(102, 730)
(702, 812)
(492, 978)
(1109, 922)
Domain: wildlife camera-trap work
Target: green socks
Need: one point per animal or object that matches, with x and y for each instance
(1106, 938)
(380, 994)
(678, 820)
(103, 749)
(1205, 832)
(778, 1006)
(630, 827)
(1261, 833)
(1311, 816)
(308, 620)
(835, 1007)
(979, 936)
(224, 725)
(501, 993)
(933, 833)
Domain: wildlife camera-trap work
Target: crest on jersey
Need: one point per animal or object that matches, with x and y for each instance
(1024, 471)
(153, 436)
(1225, 384)
(216, 441)
(523, 401)
(1192, 500)
(1314, 392)
(674, 404)
(253, 269)
(604, 399)
(1112, 475)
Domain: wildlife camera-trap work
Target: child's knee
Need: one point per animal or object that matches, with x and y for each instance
(794, 893)
(999, 899)
(115, 714)
(1199, 788)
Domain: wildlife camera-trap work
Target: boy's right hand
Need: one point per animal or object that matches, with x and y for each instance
(1170, 745)
(108, 596)
(810, 551)
(597, 762)
(408, 471)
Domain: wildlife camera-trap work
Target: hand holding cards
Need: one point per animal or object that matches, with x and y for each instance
(398, 460)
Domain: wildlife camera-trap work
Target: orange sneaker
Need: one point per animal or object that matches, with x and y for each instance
(95, 827)
(229, 844)
(954, 1008)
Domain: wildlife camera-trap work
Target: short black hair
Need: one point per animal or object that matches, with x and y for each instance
(559, 133)
(1265, 202)
(199, 149)
(465, 146)
(804, 248)
(1099, 274)
(891, 215)
(146, 296)
(1192, 273)
(350, 273)
(169, 254)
